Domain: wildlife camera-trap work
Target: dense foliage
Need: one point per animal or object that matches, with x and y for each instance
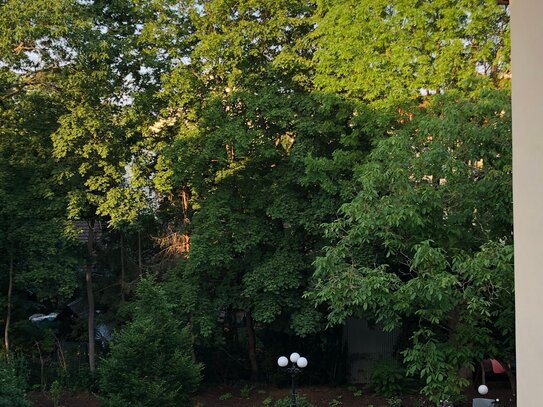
(278, 166)
(428, 236)
(150, 359)
(13, 382)
(387, 52)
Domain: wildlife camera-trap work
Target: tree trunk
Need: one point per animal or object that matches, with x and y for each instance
(90, 295)
(192, 339)
(483, 373)
(251, 339)
(139, 253)
(512, 380)
(510, 375)
(122, 267)
(185, 203)
(186, 249)
(186, 220)
(8, 314)
(42, 367)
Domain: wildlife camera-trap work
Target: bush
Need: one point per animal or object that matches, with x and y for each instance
(55, 391)
(150, 361)
(388, 379)
(13, 381)
(301, 401)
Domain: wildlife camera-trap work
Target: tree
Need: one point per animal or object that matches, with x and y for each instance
(419, 219)
(385, 52)
(244, 124)
(150, 360)
(428, 238)
(104, 62)
(36, 243)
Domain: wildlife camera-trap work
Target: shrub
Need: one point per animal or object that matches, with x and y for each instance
(150, 360)
(13, 381)
(388, 379)
(55, 390)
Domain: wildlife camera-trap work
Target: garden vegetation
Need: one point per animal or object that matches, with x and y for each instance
(187, 181)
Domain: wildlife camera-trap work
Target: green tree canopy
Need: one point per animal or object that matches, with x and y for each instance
(37, 244)
(429, 238)
(384, 51)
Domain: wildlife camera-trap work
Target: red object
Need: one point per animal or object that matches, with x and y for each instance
(497, 367)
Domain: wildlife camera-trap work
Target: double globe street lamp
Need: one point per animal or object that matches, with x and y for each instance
(297, 364)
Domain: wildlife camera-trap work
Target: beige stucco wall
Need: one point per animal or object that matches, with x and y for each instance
(527, 54)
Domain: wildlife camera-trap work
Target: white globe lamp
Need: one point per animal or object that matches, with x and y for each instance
(483, 390)
(294, 357)
(301, 362)
(282, 361)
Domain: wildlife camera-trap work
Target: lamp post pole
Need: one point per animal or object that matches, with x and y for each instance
(298, 363)
(294, 372)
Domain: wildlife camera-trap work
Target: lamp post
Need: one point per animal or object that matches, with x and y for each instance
(484, 402)
(297, 364)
